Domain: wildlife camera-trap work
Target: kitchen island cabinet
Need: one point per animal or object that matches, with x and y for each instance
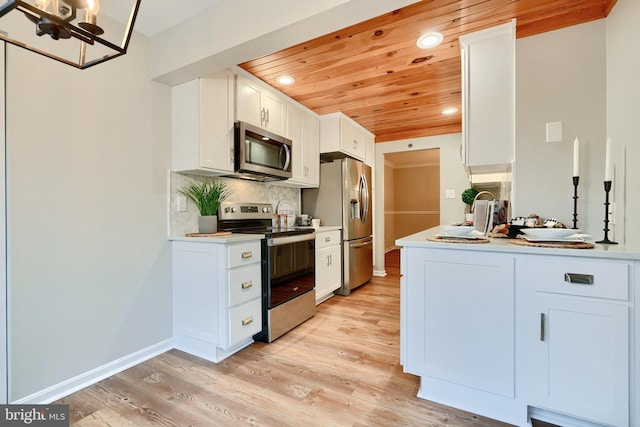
(514, 332)
(217, 295)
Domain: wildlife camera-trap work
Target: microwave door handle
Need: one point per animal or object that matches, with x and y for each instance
(287, 153)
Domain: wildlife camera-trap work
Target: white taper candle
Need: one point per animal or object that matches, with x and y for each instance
(607, 161)
(576, 157)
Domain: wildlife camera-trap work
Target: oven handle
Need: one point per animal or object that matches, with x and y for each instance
(277, 241)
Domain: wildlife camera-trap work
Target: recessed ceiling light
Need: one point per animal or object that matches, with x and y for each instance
(449, 111)
(286, 80)
(429, 40)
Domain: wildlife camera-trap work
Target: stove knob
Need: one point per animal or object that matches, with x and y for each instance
(265, 210)
(227, 209)
(234, 210)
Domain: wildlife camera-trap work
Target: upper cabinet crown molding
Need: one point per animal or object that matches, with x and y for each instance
(488, 99)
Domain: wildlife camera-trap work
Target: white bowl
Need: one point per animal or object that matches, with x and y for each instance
(549, 233)
(459, 230)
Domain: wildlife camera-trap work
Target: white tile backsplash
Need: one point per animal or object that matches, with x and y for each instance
(181, 223)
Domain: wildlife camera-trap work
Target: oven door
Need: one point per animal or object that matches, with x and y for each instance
(290, 267)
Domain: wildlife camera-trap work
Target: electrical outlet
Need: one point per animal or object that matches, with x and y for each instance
(181, 202)
(449, 194)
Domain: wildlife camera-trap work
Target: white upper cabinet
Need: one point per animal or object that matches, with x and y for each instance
(488, 99)
(341, 134)
(202, 125)
(260, 106)
(303, 129)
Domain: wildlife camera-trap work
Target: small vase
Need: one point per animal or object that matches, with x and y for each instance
(208, 224)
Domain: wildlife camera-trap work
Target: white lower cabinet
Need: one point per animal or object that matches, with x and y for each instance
(217, 297)
(458, 329)
(328, 264)
(522, 336)
(578, 339)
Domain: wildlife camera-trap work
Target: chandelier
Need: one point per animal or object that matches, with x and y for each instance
(70, 31)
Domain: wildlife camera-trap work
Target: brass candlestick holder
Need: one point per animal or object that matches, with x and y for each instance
(607, 189)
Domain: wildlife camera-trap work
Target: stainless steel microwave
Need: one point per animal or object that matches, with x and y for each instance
(261, 155)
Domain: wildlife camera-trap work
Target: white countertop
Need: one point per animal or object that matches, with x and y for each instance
(497, 244)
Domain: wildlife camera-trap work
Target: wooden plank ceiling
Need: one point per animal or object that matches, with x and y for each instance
(374, 72)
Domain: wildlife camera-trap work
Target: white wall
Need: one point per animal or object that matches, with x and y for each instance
(623, 111)
(3, 241)
(452, 176)
(89, 264)
(560, 76)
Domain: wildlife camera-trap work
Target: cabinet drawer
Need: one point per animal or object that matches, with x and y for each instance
(245, 321)
(244, 284)
(243, 254)
(327, 238)
(584, 277)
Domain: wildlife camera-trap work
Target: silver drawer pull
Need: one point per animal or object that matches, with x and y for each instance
(246, 255)
(247, 321)
(541, 326)
(327, 239)
(580, 279)
(247, 285)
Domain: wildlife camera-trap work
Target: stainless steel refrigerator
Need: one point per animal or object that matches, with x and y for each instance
(344, 199)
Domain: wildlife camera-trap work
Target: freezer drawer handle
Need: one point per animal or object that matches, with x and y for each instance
(361, 245)
(246, 255)
(579, 279)
(247, 321)
(247, 285)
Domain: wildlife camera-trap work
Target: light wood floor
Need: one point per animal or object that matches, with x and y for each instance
(340, 368)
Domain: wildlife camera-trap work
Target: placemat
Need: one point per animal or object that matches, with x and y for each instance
(445, 240)
(574, 245)
(218, 234)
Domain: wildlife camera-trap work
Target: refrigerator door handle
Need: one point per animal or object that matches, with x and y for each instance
(364, 198)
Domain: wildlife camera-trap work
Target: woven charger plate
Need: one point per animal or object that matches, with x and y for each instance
(445, 240)
(574, 245)
(218, 234)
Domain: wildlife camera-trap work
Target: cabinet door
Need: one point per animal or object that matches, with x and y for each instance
(370, 152)
(274, 110)
(322, 274)
(459, 320)
(295, 132)
(579, 358)
(311, 160)
(351, 140)
(334, 272)
(488, 98)
(248, 102)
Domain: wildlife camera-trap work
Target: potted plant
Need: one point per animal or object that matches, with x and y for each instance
(207, 197)
(468, 196)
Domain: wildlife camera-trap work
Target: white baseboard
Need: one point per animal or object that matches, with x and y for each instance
(65, 388)
(379, 273)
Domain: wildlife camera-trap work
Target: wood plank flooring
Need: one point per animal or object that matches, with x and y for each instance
(340, 368)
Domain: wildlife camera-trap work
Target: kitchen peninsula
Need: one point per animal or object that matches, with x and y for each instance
(517, 332)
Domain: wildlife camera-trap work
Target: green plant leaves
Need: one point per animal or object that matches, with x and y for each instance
(207, 195)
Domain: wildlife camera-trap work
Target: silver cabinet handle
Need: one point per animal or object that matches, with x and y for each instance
(247, 285)
(579, 279)
(247, 321)
(327, 239)
(246, 255)
(541, 326)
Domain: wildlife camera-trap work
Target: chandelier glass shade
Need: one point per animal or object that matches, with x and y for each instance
(75, 32)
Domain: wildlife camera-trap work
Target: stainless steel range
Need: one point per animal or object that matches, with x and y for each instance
(288, 266)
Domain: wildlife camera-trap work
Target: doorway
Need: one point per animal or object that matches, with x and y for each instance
(411, 193)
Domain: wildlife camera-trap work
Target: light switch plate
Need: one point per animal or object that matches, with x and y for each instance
(554, 132)
(449, 194)
(181, 201)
